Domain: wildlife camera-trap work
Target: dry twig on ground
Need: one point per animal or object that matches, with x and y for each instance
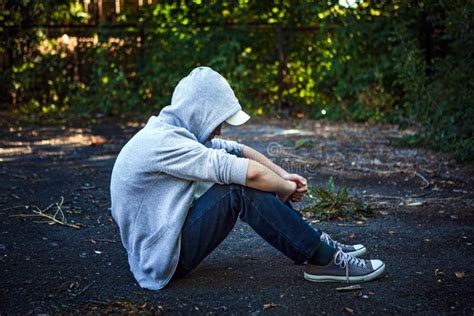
(427, 183)
(52, 218)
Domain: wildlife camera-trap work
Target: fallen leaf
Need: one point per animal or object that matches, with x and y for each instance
(348, 310)
(439, 273)
(460, 274)
(270, 305)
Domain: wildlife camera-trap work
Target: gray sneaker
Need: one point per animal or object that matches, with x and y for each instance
(353, 250)
(344, 268)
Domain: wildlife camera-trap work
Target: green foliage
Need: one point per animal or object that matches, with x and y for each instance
(330, 203)
(439, 92)
(397, 61)
(415, 140)
(305, 143)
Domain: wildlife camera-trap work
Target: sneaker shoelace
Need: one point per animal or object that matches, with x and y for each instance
(343, 260)
(326, 238)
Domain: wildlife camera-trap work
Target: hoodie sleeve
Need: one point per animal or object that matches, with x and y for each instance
(195, 162)
(230, 146)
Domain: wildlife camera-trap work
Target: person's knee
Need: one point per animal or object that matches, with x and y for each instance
(236, 187)
(224, 189)
(245, 194)
(256, 194)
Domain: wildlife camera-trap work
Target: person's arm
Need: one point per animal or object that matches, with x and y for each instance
(250, 153)
(302, 185)
(262, 178)
(232, 147)
(184, 158)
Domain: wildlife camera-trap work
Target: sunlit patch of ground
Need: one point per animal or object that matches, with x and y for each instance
(39, 140)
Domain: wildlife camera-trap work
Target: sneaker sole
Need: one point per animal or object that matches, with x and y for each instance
(352, 279)
(357, 253)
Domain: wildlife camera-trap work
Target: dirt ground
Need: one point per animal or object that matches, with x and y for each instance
(422, 227)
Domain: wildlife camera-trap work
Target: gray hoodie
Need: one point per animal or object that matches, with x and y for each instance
(156, 172)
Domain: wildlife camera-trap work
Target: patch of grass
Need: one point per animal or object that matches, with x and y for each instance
(305, 143)
(329, 203)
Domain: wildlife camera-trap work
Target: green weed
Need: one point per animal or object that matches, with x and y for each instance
(305, 143)
(330, 203)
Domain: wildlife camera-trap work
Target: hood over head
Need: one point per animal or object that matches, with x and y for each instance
(201, 102)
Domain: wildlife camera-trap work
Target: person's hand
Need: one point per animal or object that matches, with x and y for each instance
(301, 186)
(287, 191)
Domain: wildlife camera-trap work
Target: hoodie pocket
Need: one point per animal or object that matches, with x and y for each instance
(155, 237)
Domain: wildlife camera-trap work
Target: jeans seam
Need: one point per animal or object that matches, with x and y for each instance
(297, 247)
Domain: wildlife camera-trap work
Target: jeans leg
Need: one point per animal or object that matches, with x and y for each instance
(279, 224)
(211, 218)
(214, 214)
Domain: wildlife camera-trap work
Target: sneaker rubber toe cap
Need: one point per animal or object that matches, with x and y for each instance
(358, 251)
(358, 247)
(377, 264)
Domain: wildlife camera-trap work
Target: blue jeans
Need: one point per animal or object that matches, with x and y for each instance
(213, 215)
